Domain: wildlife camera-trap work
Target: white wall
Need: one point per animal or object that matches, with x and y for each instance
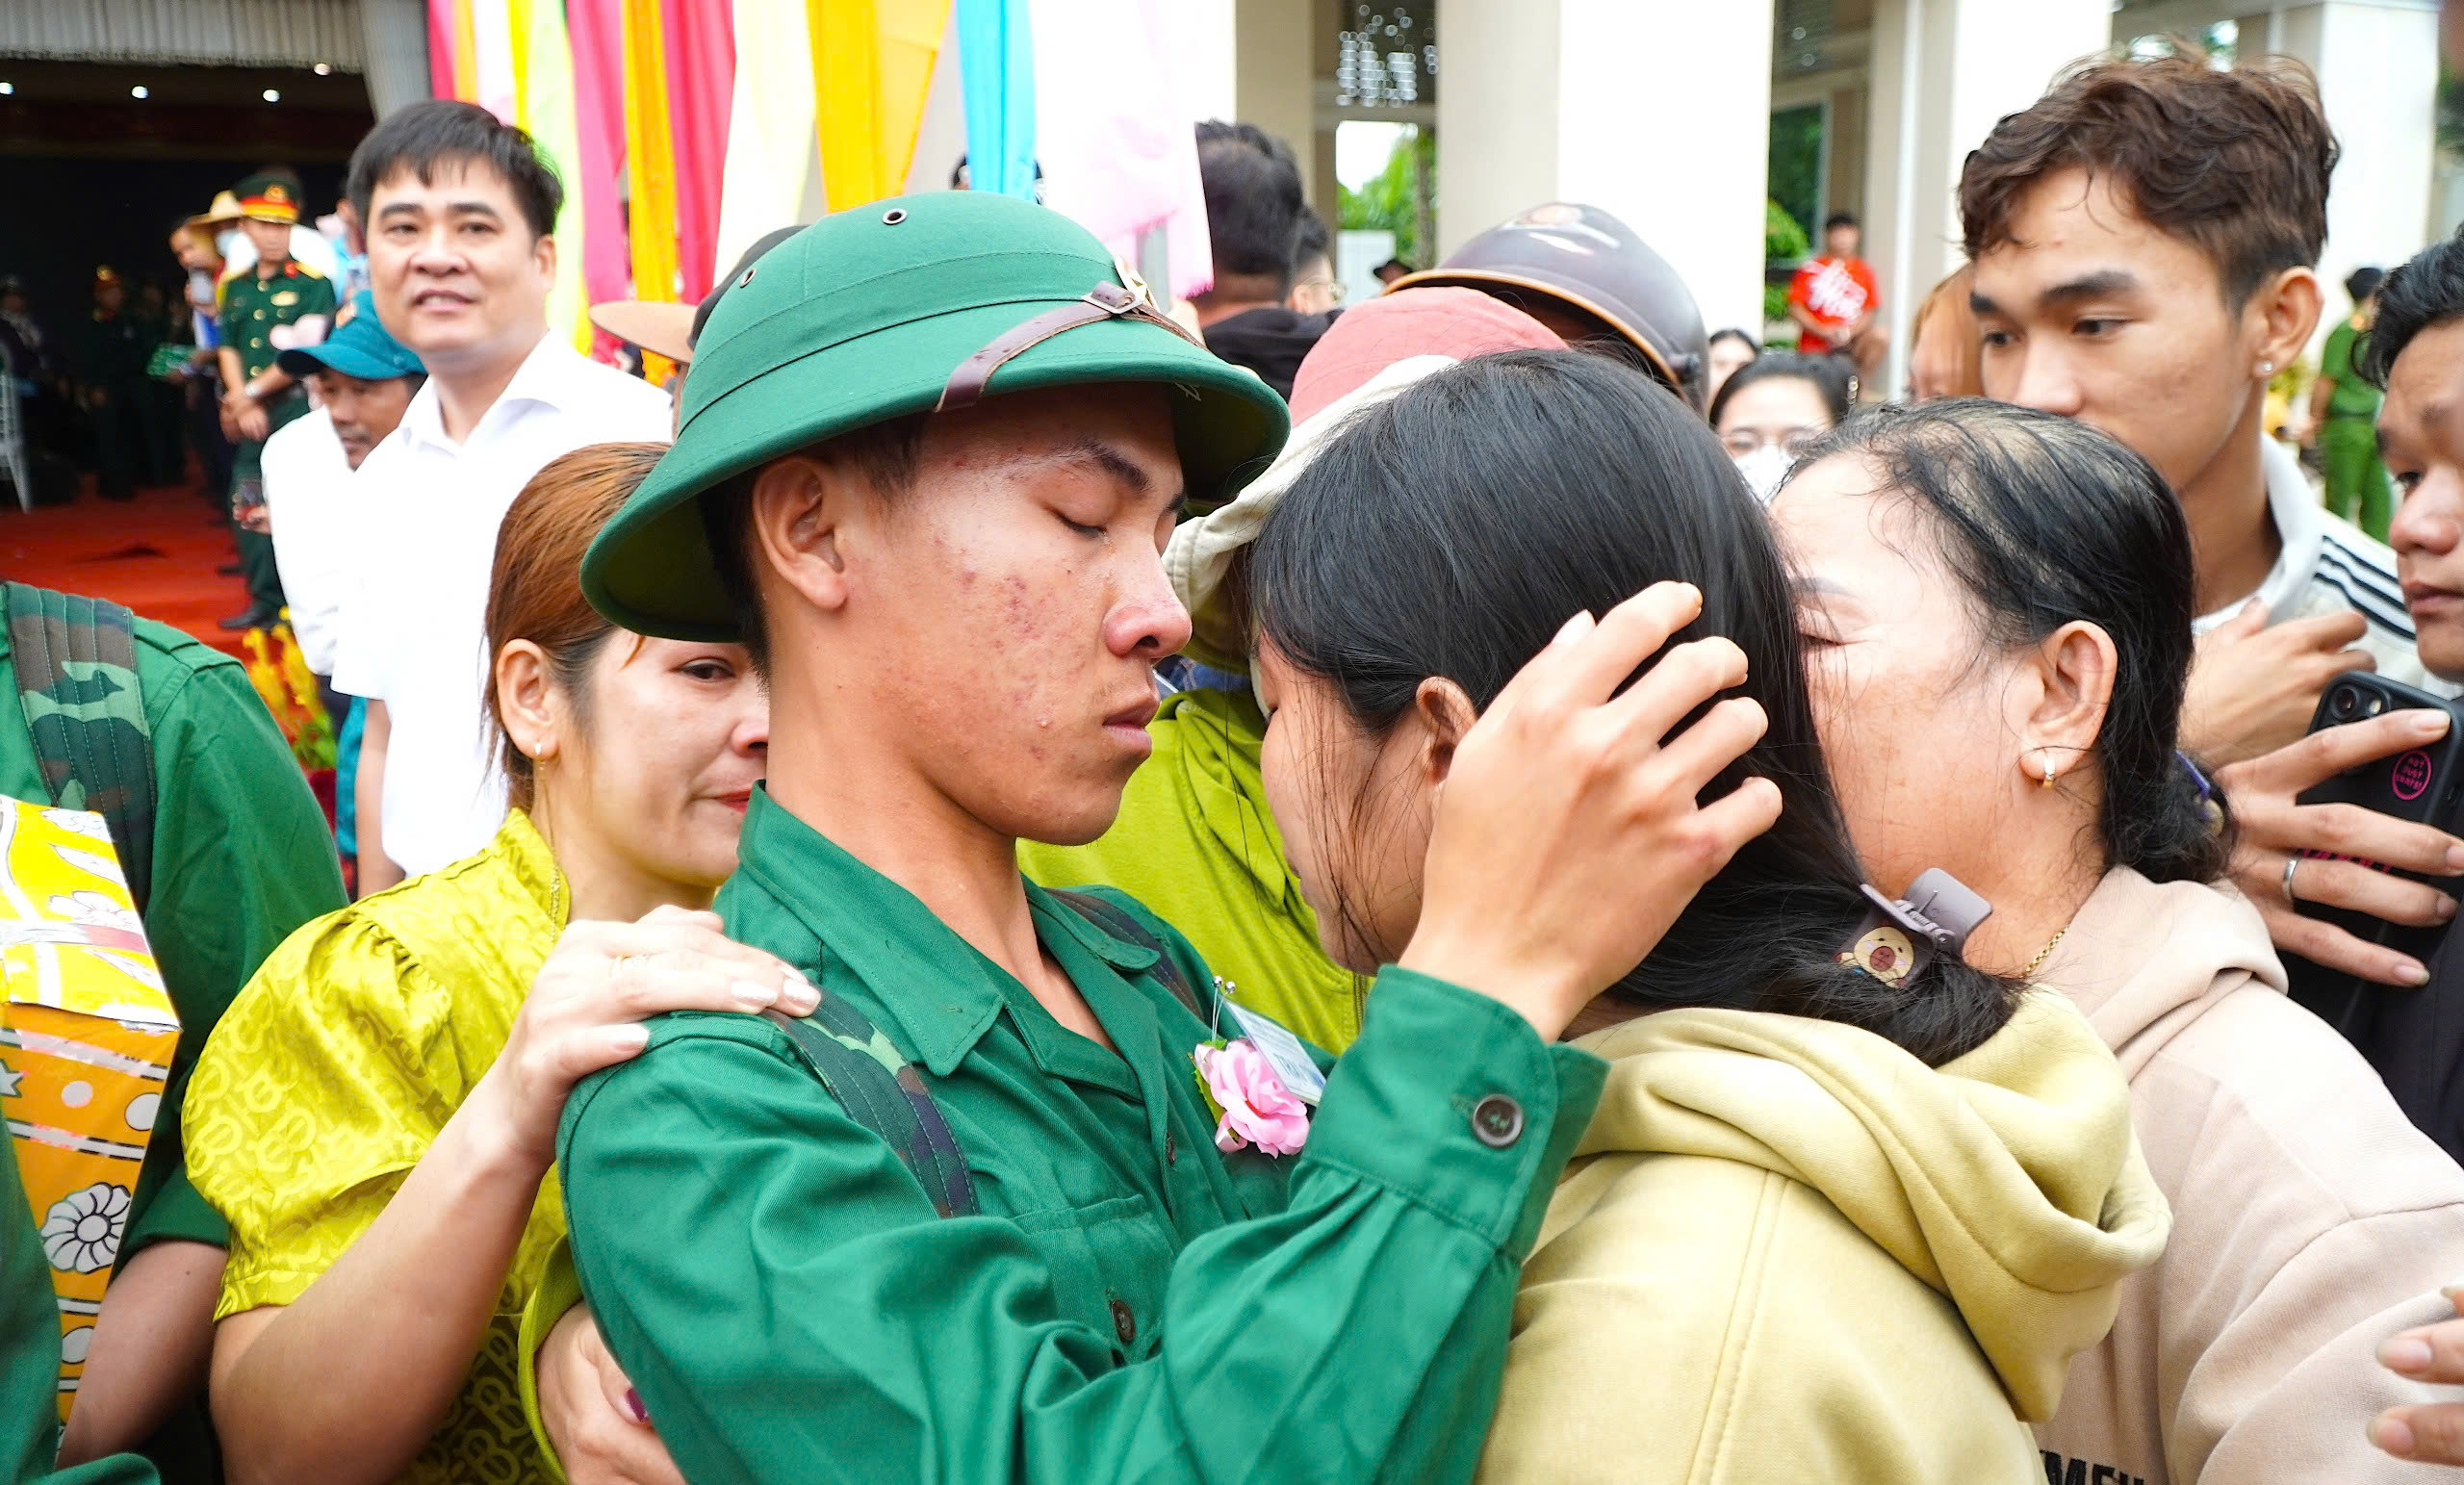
(1970, 62)
(1538, 102)
(2377, 66)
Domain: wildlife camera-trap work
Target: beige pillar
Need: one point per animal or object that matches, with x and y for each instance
(2377, 67)
(1943, 71)
(1274, 74)
(1539, 101)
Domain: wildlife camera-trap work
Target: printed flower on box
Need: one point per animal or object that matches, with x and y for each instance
(80, 822)
(98, 908)
(81, 1233)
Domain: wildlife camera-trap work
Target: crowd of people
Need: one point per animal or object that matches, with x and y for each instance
(1010, 882)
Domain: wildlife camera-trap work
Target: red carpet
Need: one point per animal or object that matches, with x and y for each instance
(156, 553)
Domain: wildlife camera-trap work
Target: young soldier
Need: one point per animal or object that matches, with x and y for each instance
(258, 396)
(929, 453)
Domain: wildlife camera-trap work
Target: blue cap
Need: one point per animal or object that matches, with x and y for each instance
(358, 346)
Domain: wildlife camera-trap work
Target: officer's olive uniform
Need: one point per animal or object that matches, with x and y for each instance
(253, 305)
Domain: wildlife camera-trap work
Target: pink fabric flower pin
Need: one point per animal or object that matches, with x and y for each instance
(1257, 1108)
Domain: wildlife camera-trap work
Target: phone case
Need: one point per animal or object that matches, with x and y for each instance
(2426, 785)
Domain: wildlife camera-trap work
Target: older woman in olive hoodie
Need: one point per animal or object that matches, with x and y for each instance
(1996, 609)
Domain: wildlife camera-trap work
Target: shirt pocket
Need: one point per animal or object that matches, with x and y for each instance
(1109, 1261)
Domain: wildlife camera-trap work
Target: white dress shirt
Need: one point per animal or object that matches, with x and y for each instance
(413, 635)
(308, 496)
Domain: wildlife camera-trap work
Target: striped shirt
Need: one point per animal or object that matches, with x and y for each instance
(2328, 565)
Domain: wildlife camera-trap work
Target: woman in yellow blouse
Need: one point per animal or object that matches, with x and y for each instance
(377, 1113)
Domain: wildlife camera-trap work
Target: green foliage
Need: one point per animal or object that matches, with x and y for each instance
(1389, 202)
(1784, 238)
(1795, 167)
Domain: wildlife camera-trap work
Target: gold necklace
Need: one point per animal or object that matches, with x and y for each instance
(2030, 973)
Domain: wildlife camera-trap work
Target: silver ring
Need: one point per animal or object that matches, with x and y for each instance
(2291, 864)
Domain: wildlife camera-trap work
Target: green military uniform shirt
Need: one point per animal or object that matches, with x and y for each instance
(1130, 1303)
(242, 858)
(252, 307)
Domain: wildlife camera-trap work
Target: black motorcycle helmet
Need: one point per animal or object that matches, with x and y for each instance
(1591, 269)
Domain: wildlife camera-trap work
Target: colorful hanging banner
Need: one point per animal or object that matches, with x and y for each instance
(700, 89)
(597, 30)
(650, 161)
(771, 155)
(543, 71)
(996, 58)
(872, 62)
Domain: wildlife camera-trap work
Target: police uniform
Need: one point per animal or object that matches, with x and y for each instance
(1127, 1300)
(254, 305)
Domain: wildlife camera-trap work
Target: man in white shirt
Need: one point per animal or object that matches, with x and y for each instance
(459, 209)
(363, 380)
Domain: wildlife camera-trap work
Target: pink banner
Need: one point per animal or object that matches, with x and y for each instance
(701, 89)
(440, 48)
(596, 30)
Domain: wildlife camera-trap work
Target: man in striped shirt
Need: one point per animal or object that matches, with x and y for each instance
(2144, 238)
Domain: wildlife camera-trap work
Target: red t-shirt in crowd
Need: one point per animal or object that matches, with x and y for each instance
(1836, 291)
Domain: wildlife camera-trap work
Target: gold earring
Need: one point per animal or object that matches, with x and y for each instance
(2046, 782)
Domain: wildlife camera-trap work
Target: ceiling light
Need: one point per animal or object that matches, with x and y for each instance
(272, 95)
(138, 92)
(324, 69)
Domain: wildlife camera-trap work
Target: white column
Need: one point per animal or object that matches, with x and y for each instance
(1274, 76)
(1546, 100)
(1972, 62)
(2377, 66)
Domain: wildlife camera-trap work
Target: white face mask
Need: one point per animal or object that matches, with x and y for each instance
(1764, 470)
(226, 242)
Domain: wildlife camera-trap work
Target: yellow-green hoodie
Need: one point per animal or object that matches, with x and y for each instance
(1788, 1251)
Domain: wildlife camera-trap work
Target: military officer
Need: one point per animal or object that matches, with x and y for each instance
(259, 311)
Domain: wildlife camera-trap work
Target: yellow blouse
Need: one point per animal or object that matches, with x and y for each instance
(335, 1070)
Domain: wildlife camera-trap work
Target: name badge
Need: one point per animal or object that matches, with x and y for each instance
(1283, 1051)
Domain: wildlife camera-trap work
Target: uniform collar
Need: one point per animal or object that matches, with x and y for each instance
(937, 990)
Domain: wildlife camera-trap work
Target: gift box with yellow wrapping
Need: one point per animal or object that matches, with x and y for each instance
(86, 1039)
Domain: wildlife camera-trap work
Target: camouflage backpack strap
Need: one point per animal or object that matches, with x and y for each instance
(76, 660)
(1114, 919)
(886, 1093)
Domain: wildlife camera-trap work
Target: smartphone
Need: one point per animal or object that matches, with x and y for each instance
(2425, 786)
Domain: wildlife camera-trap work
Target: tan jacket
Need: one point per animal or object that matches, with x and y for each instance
(2311, 1220)
(1786, 1252)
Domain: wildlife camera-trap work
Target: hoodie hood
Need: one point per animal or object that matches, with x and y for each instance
(2007, 1180)
(2139, 954)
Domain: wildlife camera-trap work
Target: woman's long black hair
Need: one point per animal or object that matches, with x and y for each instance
(1452, 531)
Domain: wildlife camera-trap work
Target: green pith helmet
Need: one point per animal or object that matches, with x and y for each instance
(909, 305)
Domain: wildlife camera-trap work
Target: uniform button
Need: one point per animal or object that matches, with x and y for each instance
(1497, 1121)
(1124, 1324)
